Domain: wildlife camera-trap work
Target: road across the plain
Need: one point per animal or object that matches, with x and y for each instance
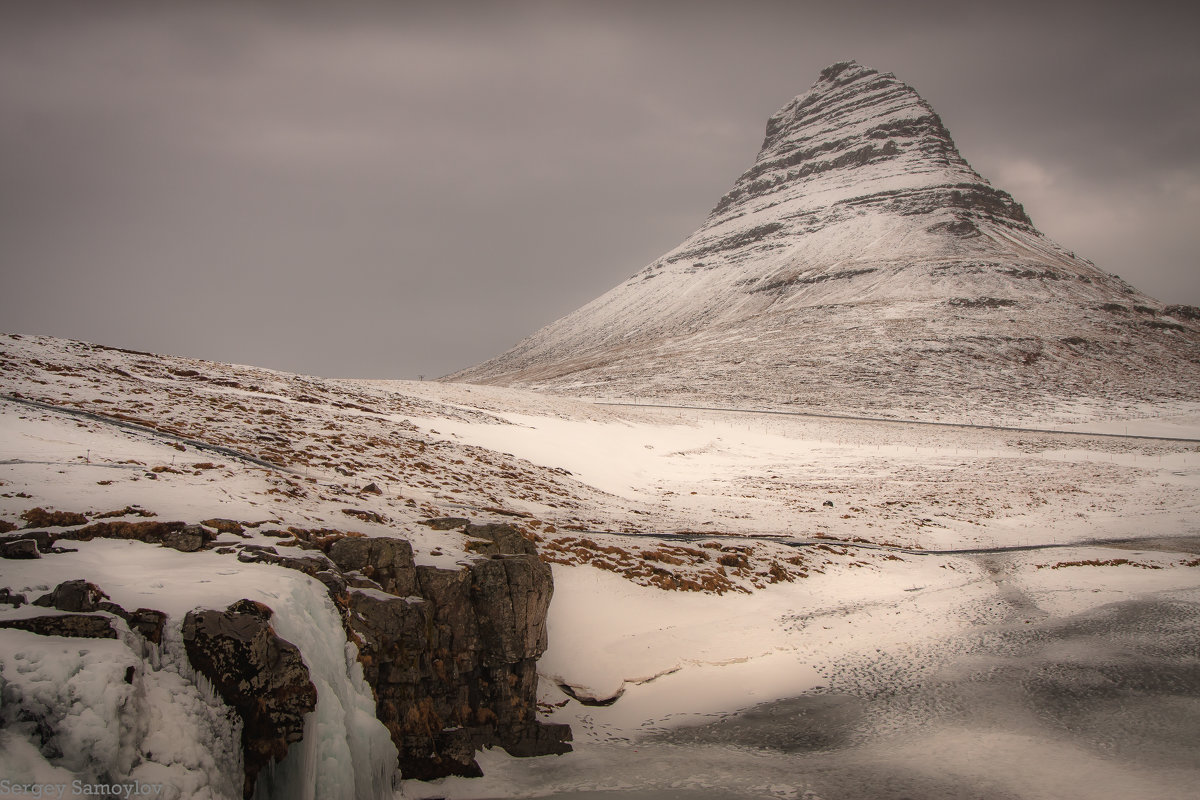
(789, 541)
(889, 421)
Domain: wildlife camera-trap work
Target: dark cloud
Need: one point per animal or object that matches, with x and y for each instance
(394, 189)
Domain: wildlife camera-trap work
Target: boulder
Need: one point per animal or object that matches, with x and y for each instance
(8, 597)
(19, 549)
(261, 676)
(81, 596)
(77, 595)
(43, 539)
(500, 539)
(187, 539)
(388, 562)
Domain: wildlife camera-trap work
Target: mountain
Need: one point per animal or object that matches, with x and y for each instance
(862, 265)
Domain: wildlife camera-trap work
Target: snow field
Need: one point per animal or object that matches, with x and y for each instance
(671, 655)
(923, 486)
(918, 641)
(872, 624)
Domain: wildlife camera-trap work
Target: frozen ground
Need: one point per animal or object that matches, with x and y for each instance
(992, 677)
(917, 485)
(820, 648)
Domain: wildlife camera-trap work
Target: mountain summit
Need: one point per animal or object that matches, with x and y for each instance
(862, 265)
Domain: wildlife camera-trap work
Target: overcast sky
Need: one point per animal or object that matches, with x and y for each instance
(390, 190)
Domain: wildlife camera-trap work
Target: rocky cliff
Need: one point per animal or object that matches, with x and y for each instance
(449, 654)
(861, 264)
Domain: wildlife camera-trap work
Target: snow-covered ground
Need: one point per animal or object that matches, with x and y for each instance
(917, 485)
(989, 676)
(835, 653)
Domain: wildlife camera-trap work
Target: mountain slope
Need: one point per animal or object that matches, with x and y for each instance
(862, 265)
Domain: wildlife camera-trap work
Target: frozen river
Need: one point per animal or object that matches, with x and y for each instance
(1023, 704)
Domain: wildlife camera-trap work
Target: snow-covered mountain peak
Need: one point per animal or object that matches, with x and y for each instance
(861, 263)
(857, 132)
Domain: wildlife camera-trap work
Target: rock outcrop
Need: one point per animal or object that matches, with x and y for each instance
(452, 654)
(861, 264)
(449, 653)
(82, 600)
(177, 535)
(75, 595)
(74, 626)
(261, 676)
(11, 598)
(386, 562)
(19, 549)
(181, 536)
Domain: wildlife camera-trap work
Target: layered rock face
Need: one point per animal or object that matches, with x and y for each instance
(450, 655)
(862, 265)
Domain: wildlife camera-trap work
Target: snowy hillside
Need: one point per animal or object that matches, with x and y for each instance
(861, 265)
(764, 604)
(235, 441)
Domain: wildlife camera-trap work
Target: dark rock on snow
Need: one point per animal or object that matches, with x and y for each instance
(260, 675)
(81, 596)
(43, 540)
(457, 671)
(446, 523)
(309, 564)
(149, 623)
(389, 562)
(178, 535)
(19, 548)
(76, 626)
(8, 597)
(500, 539)
(76, 595)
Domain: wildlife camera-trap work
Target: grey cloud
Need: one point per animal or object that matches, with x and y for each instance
(401, 188)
